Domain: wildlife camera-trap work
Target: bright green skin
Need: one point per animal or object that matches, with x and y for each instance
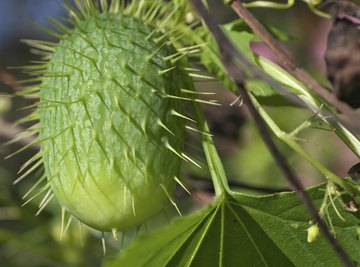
(104, 151)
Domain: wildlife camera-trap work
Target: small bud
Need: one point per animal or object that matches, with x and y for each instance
(312, 233)
(189, 18)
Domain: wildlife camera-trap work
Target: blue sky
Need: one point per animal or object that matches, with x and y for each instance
(17, 18)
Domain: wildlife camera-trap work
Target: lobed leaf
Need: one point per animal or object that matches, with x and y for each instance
(240, 230)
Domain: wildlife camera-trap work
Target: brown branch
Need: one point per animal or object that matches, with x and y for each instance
(229, 56)
(289, 64)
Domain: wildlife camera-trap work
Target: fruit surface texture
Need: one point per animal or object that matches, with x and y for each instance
(110, 142)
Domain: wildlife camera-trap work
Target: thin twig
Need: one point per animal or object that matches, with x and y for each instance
(289, 64)
(229, 54)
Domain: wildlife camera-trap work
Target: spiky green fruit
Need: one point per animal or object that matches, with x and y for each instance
(110, 142)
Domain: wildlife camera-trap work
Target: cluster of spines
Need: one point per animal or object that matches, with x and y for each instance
(154, 13)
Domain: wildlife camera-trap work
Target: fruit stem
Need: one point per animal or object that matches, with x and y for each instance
(215, 165)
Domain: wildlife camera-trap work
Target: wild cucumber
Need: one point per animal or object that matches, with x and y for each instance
(111, 123)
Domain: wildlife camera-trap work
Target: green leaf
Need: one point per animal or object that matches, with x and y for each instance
(239, 35)
(263, 90)
(240, 230)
